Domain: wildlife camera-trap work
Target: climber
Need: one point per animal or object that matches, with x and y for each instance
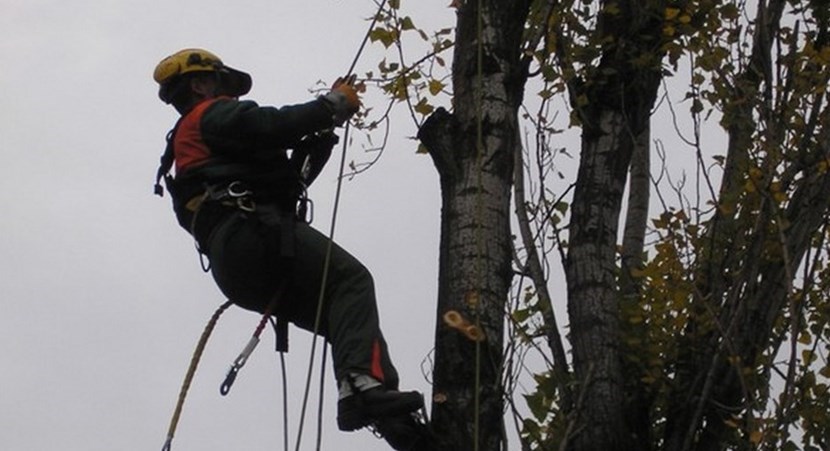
(241, 196)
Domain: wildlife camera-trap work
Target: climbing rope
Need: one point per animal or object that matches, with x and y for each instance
(321, 297)
(191, 371)
(282, 348)
(327, 261)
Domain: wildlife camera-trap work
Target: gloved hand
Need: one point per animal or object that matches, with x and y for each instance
(343, 99)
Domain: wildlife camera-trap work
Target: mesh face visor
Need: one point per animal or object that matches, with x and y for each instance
(169, 73)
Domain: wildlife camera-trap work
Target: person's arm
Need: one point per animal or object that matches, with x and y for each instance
(311, 155)
(248, 125)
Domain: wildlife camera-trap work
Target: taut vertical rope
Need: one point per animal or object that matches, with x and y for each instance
(331, 241)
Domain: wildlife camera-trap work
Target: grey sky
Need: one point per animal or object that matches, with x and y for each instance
(103, 297)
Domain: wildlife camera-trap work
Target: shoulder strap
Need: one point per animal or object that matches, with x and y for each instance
(167, 159)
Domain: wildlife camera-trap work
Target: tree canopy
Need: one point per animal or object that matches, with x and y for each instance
(697, 314)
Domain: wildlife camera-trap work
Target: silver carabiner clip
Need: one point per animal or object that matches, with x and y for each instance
(236, 190)
(237, 365)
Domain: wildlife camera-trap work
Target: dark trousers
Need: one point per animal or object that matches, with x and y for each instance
(251, 253)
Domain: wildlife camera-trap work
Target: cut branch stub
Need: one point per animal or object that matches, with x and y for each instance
(455, 320)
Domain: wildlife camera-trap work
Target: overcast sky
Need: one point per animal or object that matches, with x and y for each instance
(103, 298)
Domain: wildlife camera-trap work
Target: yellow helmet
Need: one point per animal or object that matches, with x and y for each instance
(169, 71)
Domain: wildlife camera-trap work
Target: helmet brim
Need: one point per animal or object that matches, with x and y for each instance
(235, 83)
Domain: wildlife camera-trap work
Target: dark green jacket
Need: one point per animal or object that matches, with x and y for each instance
(224, 140)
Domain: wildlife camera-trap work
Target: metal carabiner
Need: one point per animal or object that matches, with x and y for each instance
(237, 365)
(246, 204)
(236, 190)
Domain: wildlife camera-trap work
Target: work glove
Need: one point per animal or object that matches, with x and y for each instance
(342, 100)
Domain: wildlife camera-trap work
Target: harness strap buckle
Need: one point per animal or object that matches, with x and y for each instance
(235, 193)
(305, 207)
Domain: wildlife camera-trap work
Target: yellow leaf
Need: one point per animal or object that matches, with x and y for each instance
(730, 12)
(435, 87)
(685, 18)
(423, 107)
(672, 13)
(756, 437)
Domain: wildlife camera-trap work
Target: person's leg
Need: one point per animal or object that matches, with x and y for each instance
(350, 318)
(249, 264)
(351, 324)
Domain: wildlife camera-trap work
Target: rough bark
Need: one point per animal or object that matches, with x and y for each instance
(637, 403)
(619, 96)
(592, 286)
(472, 149)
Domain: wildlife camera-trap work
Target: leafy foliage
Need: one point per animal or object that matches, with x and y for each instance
(724, 336)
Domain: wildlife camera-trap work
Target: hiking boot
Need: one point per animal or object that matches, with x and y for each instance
(364, 408)
(406, 433)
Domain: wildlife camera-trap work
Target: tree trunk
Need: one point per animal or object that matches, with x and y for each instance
(620, 94)
(472, 149)
(592, 286)
(637, 402)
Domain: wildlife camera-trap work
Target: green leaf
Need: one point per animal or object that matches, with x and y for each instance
(435, 87)
(407, 24)
(423, 107)
(386, 37)
(521, 315)
(536, 404)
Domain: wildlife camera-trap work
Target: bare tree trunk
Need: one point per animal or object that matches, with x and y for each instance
(472, 149)
(592, 285)
(619, 96)
(637, 403)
